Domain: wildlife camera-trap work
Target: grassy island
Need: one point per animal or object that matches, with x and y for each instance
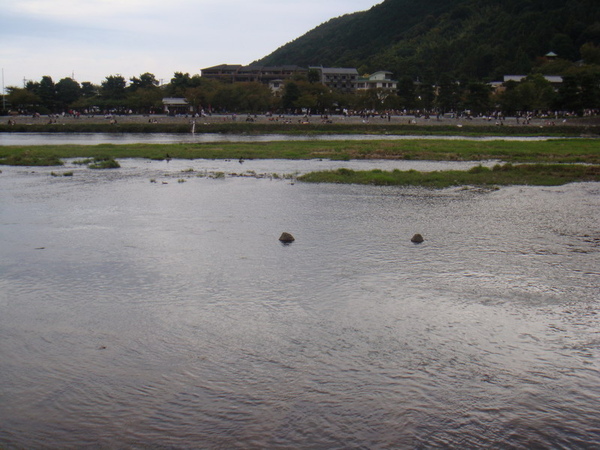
(549, 162)
(499, 175)
(550, 151)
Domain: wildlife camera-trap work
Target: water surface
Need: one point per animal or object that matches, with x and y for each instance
(174, 138)
(139, 314)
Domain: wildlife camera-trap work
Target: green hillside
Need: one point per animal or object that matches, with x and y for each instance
(464, 39)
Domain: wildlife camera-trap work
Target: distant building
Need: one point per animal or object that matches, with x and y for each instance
(555, 80)
(339, 78)
(260, 74)
(342, 79)
(266, 74)
(223, 72)
(378, 80)
(174, 106)
(500, 86)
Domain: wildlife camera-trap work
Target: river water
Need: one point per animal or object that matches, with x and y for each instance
(167, 314)
(174, 138)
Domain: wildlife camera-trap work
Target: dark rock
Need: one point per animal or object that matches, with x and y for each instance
(286, 238)
(417, 238)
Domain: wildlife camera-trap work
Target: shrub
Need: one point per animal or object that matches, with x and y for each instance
(478, 169)
(83, 162)
(345, 172)
(104, 163)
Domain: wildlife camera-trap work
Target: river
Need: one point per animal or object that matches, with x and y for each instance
(153, 306)
(174, 138)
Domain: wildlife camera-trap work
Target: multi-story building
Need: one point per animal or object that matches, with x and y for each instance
(261, 74)
(223, 72)
(342, 79)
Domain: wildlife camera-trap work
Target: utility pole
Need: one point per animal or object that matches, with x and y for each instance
(3, 92)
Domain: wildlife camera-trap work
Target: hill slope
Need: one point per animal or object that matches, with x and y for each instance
(467, 39)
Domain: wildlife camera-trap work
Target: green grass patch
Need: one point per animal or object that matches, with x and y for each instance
(499, 175)
(552, 151)
(29, 157)
(83, 162)
(104, 162)
(558, 151)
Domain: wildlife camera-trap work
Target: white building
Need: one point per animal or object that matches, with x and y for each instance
(378, 80)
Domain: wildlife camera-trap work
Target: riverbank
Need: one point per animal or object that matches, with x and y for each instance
(399, 125)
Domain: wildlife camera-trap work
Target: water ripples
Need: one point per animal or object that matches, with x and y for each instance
(174, 318)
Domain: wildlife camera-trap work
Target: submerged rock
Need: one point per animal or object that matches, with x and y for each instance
(286, 238)
(417, 238)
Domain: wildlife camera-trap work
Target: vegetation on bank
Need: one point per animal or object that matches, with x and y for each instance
(499, 175)
(551, 151)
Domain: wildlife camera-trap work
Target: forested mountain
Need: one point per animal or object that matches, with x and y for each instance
(462, 39)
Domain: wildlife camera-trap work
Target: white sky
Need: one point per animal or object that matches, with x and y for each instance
(92, 39)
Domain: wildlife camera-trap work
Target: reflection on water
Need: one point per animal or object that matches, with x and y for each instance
(174, 138)
(169, 315)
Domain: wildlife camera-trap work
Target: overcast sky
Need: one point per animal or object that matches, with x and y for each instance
(92, 39)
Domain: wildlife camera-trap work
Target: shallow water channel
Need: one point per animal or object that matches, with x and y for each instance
(167, 314)
(175, 138)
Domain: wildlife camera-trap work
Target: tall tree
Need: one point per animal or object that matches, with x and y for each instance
(536, 93)
(201, 92)
(145, 81)
(590, 90)
(179, 83)
(88, 90)
(22, 99)
(590, 53)
(406, 92)
(478, 97)
(449, 95)
(509, 99)
(314, 76)
(425, 96)
(145, 100)
(291, 94)
(47, 92)
(113, 87)
(569, 95)
(67, 92)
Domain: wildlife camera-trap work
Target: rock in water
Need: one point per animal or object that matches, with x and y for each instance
(286, 238)
(417, 238)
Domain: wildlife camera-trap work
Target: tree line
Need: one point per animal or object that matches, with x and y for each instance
(579, 91)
